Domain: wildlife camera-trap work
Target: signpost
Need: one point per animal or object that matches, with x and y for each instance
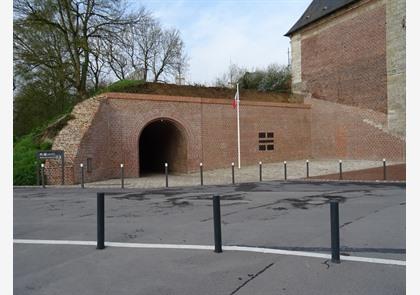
(53, 155)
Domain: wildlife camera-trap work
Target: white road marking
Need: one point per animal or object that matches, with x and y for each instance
(207, 247)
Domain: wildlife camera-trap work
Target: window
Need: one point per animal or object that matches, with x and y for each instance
(89, 165)
(266, 141)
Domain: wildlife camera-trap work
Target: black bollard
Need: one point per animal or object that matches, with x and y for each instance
(166, 175)
(340, 165)
(335, 232)
(37, 173)
(384, 163)
(43, 175)
(285, 170)
(62, 171)
(100, 204)
(217, 225)
(122, 175)
(201, 174)
(82, 170)
(233, 173)
(307, 168)
(260, 171)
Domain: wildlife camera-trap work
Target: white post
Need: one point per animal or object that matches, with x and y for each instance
(237, 123)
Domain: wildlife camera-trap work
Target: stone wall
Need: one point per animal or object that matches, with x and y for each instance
(395, 58)
(296, 64)
(69, 140)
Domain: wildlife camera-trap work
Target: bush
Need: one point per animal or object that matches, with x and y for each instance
(24, 159)
(273, 79)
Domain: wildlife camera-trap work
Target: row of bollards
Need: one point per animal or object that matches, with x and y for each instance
(233, 172)
(217, 226)
(82, 173)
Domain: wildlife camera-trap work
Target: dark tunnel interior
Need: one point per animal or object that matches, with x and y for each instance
(161, 142)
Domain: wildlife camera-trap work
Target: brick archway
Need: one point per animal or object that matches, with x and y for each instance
(162, 140)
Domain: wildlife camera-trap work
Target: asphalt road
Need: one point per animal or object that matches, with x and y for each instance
(290, 216)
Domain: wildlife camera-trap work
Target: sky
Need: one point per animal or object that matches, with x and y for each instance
(249, 33)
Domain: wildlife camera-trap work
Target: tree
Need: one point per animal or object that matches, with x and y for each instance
(168, 56)
(231, 77)
(64, 50)
(276, 78)
(77, 23)
(98, 65)
(147, 51)
(147, 36)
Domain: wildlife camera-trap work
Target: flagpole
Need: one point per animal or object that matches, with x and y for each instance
(237, 123)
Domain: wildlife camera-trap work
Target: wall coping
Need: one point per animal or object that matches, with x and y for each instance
(200, 100)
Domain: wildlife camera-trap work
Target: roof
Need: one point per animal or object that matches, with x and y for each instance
(317, 10)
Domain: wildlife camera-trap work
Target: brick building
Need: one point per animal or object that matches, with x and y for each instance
(352, 52)
(348, 61)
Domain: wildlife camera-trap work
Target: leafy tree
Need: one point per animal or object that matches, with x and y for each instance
(275, 78)
(76, 24)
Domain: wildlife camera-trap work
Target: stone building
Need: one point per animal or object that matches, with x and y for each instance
(352, 52)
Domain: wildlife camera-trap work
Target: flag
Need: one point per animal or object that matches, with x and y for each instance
(235, 99)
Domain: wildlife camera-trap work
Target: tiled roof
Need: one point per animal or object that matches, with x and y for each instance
(317, 10)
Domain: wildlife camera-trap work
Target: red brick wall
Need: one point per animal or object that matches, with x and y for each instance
(345, 62)
(128, 119)
(209, 126)
(96, 145)
(289, 125)
(346, 132)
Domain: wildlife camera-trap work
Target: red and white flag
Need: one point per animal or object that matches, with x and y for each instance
(235, 99)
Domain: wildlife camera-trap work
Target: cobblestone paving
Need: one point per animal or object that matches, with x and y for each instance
(272, 171)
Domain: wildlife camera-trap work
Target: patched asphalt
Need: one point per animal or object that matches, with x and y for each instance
(289, 216)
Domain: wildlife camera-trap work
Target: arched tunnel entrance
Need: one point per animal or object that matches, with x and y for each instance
(162, 141)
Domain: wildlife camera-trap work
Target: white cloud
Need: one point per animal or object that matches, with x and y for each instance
(248, 33)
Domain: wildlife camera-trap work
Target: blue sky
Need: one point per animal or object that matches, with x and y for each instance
(246, 32)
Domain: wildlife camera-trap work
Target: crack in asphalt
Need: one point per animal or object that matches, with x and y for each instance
(367, 215)
(251, 278)
(226, 214)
